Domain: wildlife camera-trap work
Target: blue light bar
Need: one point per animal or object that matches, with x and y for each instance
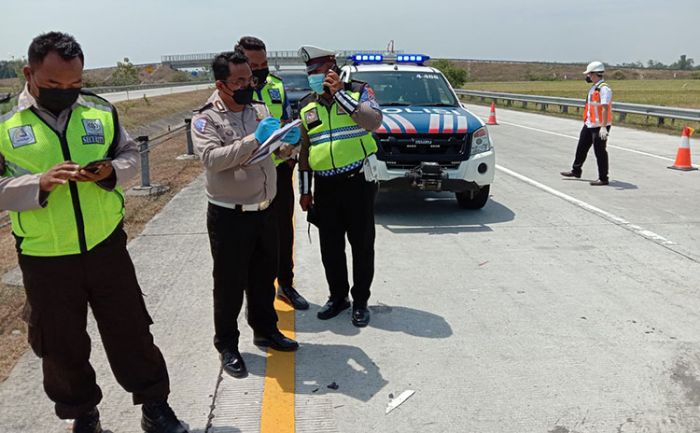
(412, 58)
(366, 58)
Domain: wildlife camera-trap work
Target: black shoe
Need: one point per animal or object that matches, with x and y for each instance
(89, 422)
(599, 182)
(292, 297)
(360, 316)
(571, 174)
(232, 363)
(332, 308)
(160, 418)
(276, 341)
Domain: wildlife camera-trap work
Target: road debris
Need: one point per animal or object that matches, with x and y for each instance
(398, 401)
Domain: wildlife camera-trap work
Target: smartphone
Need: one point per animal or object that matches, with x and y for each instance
(94, 167)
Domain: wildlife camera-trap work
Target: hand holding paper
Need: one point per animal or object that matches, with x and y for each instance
(266, 128)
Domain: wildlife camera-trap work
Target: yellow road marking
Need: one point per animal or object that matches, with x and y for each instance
(280, 375)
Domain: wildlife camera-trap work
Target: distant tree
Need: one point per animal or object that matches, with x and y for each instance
(12, 68)
(653, 64)
(454, 74)
(126, 74)
(684, 63)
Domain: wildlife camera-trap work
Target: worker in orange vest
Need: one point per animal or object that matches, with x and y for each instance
(597, 118)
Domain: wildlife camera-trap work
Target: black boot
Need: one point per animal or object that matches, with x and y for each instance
(160, 418)
(89, 422)
(332, 308)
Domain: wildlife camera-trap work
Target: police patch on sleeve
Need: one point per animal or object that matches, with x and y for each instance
(200, 124)
(22, 136)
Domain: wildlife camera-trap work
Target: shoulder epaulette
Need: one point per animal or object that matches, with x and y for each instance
(275, 76)
(205, 107)
(307, 99)
(7, 103)
(93, 97)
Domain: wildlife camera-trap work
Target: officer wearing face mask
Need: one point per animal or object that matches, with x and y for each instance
(270, 90)
(67, 220)
(337, 149)
(242, 227)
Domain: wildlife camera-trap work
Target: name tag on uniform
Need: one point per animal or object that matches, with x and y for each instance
(94, 131)
(275, 96)
(22, 136)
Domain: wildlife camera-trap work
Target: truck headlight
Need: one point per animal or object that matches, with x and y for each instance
(480, 141)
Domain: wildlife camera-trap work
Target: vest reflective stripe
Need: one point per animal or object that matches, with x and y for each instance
(55, 229)
(593, 111)
(337, 142)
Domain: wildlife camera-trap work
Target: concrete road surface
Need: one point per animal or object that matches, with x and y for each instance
(558, 308)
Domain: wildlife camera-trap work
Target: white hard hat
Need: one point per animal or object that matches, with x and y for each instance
(596, 66)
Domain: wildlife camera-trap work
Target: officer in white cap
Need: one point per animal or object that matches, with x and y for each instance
(337, 147)
(597, 120)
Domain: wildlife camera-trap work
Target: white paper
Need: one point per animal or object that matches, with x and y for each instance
(273, 143)
(398, 401)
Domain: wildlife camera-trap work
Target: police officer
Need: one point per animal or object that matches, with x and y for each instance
(242, 229)
(597, 118)
(337, 121)
(270, 90)
(67, 220)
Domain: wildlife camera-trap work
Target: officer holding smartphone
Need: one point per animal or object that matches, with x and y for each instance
(63, 160)
(337, 123)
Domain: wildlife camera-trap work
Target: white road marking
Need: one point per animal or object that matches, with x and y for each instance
(544, 131)
(647, 234)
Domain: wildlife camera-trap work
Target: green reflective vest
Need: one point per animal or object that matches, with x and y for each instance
(78, 215)
(273, 96)
(336, 141)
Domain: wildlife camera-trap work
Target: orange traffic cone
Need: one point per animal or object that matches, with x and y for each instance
(683, 155)
(492, 116)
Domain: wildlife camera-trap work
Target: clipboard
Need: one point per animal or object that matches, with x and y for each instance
(273, 143)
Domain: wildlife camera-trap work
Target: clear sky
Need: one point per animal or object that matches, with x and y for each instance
(547, 30)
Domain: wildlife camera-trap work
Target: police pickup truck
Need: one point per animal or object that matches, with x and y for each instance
(428, 141)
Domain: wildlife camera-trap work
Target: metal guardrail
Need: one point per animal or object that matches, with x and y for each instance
(115, 89)
(621, 108)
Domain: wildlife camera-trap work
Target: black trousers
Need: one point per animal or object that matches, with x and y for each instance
(59, 290)
(244, 247)
(345, 206)
(588, 137)
(284, 210)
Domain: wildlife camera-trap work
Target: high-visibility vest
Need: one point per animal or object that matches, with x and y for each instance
(79, 215)
(593, 111)
(337, 143)
(273, 97)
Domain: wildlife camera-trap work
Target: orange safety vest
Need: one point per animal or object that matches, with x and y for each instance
(593, 112)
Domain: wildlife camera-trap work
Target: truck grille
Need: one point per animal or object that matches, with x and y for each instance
(412, 149)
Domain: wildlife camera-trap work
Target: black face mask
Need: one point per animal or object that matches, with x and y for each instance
(589, 79)
(243, 96)
(261, 75)
(57, 100)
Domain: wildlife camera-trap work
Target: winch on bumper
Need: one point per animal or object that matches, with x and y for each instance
(458, 176)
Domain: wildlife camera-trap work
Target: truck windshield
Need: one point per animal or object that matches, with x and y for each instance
(399, 88)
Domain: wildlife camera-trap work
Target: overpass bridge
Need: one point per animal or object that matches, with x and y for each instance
(276, 59)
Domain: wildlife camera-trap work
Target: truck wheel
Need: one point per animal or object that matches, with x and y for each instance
(473, 200)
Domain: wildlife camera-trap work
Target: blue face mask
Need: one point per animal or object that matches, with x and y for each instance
(316, 82)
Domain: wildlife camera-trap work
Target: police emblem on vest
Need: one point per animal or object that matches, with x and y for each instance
(22, 136)
(275, 96)
(94, 132)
